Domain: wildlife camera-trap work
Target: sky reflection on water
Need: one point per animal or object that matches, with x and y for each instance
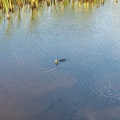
(85, 86)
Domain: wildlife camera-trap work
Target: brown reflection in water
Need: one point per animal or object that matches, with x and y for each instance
(8, 29)
(59, 5)
(23, 99)
(24, 11)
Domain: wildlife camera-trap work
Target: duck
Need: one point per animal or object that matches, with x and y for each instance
(56, 61)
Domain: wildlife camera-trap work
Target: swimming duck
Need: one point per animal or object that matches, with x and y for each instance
(56, 61)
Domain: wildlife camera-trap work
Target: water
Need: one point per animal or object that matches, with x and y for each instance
(84, 87)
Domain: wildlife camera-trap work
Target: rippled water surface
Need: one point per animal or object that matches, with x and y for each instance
(84, 87)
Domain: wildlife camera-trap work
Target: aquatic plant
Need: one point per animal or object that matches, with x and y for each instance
(9, 6)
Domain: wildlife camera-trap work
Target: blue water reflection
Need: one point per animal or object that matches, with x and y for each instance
(84, 87)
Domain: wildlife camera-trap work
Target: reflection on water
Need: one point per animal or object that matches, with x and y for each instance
(21, 10)
(8, 7)
(84, 87)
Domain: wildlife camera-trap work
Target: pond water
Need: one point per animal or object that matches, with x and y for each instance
(84, 87)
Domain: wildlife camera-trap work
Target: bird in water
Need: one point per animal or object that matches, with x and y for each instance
(56, 61)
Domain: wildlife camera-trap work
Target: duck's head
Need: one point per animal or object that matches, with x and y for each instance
(56, 62)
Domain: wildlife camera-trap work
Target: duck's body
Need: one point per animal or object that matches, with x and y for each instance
(62, 60)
